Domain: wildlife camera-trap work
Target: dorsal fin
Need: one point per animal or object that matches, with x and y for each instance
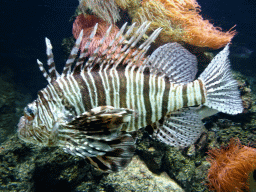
(142, 49)
(110, 56)
(95, 54)
(174, 62)
(72, 56)
(42, 69)
(108, 53)
(79, 63)
(53, 74)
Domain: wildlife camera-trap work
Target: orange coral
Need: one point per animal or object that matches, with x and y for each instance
(180, 19)
(181, 22)
(87, 24)
(230, 167)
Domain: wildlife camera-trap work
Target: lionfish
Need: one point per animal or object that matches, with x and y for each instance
(92, 108)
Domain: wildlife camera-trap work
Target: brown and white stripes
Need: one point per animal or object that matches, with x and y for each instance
(150, 96)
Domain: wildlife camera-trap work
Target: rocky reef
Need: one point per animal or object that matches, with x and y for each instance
(11, 106)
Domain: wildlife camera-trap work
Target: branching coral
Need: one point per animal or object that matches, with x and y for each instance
(231, 167)
(181, 21)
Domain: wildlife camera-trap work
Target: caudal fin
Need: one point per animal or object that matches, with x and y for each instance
(221, 89)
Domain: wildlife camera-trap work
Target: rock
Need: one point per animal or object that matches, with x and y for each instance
(137, 177)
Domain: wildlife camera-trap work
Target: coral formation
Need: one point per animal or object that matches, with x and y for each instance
(181, 22)
(231, 167)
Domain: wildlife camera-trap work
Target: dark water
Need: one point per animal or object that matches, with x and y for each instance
(24, 26)
(226, 14)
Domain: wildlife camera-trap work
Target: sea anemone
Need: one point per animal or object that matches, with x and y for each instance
(181, 22)
(231, 167)
(87, 23)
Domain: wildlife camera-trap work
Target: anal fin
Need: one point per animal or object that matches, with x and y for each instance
(180, 128)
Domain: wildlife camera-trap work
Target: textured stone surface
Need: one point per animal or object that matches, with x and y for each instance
(137, 177)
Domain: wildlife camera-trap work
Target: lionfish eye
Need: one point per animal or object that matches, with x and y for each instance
(29, 113)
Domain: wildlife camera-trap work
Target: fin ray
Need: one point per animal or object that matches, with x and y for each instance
(53, 74)
(175, 62)
(72, 56)
(180, 129)
(42, 69)
(222, 90)
(119, 157)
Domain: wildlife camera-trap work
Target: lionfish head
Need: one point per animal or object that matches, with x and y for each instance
(31, 131)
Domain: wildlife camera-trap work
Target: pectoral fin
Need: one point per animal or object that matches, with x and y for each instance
(119, 157)
(96, 133)
(107, 156)
(100, 122)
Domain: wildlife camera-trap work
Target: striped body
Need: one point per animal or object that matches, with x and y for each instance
(149, 95)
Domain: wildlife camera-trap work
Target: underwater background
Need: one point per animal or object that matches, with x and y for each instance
(156, 167)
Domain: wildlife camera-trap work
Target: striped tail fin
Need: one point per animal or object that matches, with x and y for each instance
(221, 89)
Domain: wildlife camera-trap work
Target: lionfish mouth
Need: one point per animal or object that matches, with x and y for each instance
(22, 126)
(22, 123)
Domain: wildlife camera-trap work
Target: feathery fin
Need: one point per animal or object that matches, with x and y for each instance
(174, 62)
(101, 118)
(88, 135)
(180, 129)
